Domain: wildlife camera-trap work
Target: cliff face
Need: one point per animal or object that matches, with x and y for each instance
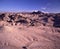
(35, 30)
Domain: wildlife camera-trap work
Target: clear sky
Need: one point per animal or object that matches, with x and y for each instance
(30, 5)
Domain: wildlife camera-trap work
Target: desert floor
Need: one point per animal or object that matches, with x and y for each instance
(22, 37)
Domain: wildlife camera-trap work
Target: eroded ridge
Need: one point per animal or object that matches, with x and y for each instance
(34, 30)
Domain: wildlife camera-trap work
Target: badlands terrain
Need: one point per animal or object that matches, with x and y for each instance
(29, 30)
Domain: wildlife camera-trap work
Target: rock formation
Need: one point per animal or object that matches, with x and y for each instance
(30, 30)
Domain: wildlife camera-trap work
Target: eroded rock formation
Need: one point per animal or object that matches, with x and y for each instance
(35, 30)
(32, 19)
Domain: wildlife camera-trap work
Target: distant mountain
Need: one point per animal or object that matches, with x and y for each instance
(37, 12)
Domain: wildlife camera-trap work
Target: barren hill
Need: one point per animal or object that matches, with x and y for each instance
(34, 30)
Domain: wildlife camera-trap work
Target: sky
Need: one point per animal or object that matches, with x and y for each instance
(52, 6)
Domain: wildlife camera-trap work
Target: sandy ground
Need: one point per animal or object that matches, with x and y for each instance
(22, 37)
